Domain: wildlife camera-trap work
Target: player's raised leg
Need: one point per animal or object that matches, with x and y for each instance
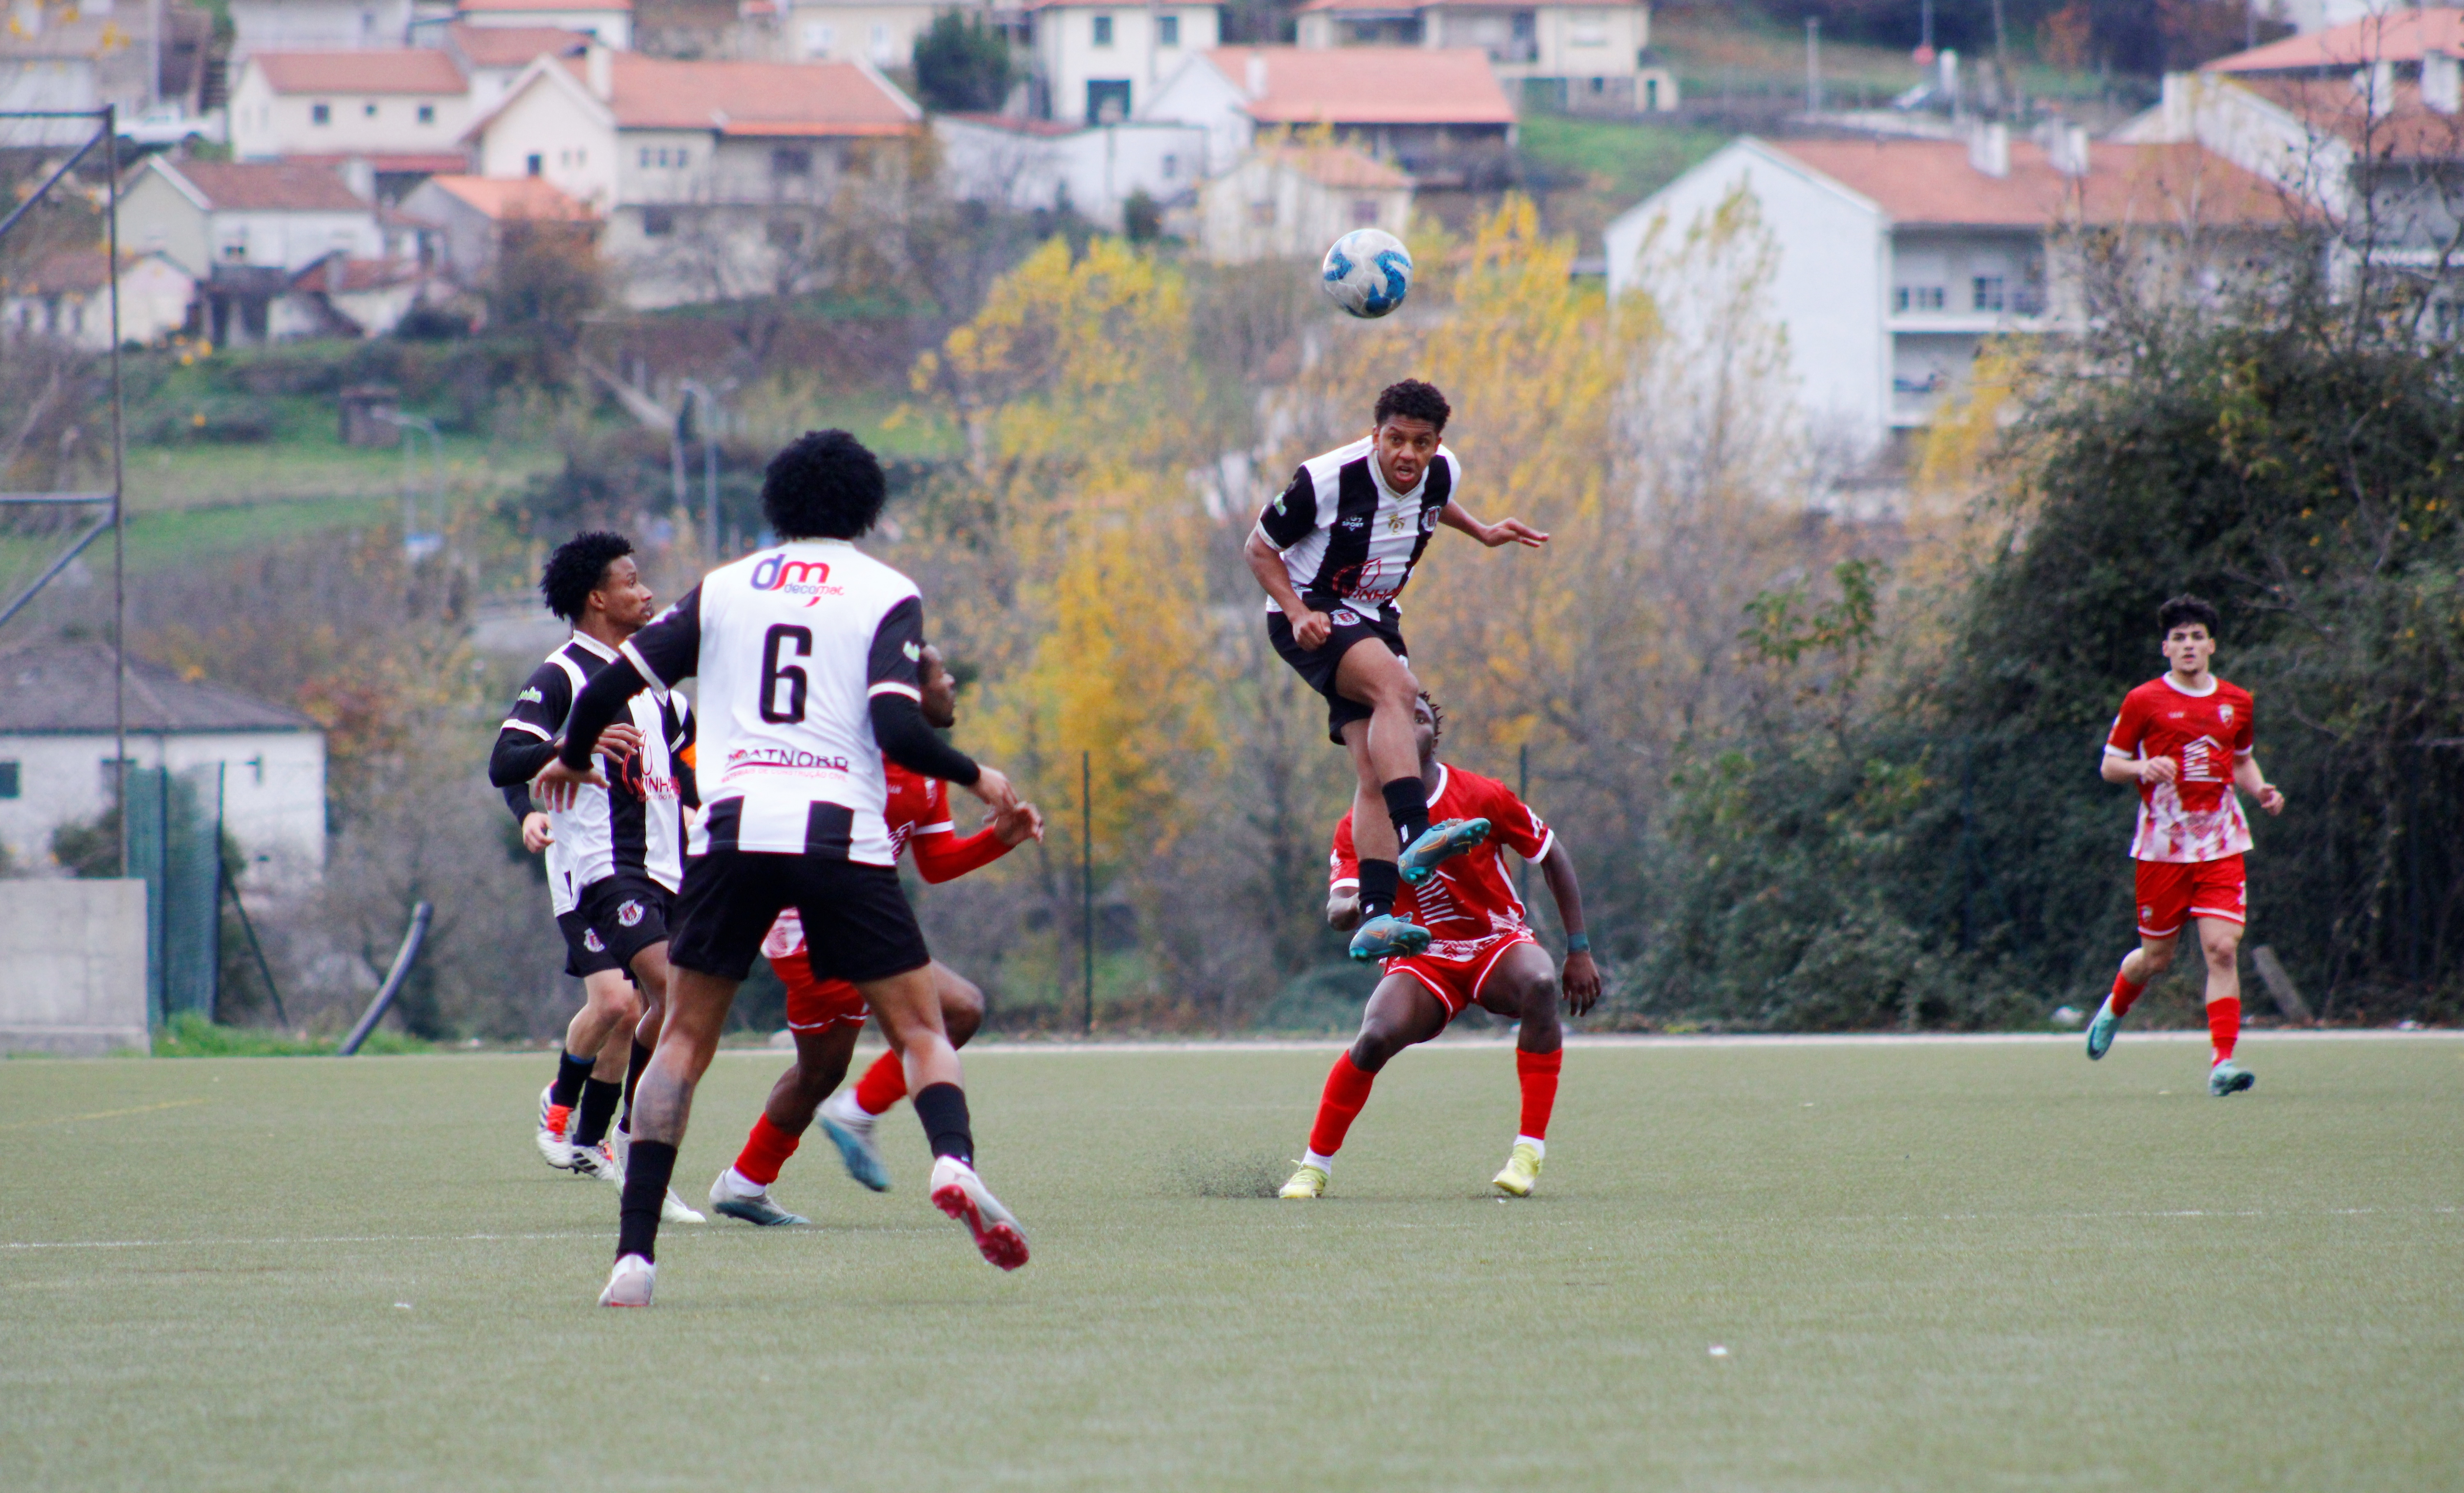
(849, 1115)
(910, 1010)
(2139, 968)
(1400, 1013)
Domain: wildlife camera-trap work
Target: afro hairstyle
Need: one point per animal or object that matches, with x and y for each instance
(576, 569)
(823, 484)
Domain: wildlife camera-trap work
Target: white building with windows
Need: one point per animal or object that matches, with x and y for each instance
(285, 215)
(68, 296)
(1027, 165)
(319, 25)
(402, 111)
(1438, 113)
(881, 33)
(1896, 259)
(1594, 57)
(1096, 64)
(57, 759)
(609, 21)
(707, 176)
(1289, 201)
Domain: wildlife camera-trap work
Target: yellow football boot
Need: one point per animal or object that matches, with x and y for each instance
(1522, 1172)
(1308, 1182)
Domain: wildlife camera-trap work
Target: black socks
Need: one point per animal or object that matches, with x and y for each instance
(570, 1071)
(647, 1173)
(1379, 880)
(598, 1107)
(1407, 804)
(943, 1110)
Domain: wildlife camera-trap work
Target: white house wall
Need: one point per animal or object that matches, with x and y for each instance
(1200, 95)
(578, 154)
(1828, 286)
(1095, 170)
(330, 25)
(266, 126)
(1070, 58)
(881, 34)
(274, 793)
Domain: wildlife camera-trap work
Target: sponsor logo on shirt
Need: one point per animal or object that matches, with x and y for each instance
(1372, 582)
(915, 654)
(782, 756)
(804, 578)
(532, 698)
(1355, 523)
(630, 914)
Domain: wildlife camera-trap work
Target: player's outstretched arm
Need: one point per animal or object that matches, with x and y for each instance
(1581, 976)
(1505, 531)
(2251, 781)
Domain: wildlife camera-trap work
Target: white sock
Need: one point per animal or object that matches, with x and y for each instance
(1324, 1164)
(1539, 1147)
(741, 1185)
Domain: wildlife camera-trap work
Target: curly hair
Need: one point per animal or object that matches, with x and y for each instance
(1437, 715)
(823, 484)
(1413, 400)
(2183, 609)
(576, 569)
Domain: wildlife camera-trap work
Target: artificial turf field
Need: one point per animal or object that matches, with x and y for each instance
(1932, 1265)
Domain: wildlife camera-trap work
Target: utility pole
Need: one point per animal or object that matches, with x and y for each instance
(1813, 64)
(1087, 881)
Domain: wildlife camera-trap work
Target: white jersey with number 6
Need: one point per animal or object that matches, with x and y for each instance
(791, 645)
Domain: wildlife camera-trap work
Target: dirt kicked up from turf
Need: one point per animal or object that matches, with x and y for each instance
(1767, 1267)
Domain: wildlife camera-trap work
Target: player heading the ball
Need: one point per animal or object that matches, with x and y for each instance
(2185, 738)
(810, 657)
(1333, 554)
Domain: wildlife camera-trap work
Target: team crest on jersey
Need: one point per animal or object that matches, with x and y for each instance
(630, 913)
(2224, 713)
(1344, 617)
(1429, 519)
(590, 942)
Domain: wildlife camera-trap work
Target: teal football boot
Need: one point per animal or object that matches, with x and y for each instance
(2225, 1079)
(1439, 842)
(1387, 937)
(2100, 1031)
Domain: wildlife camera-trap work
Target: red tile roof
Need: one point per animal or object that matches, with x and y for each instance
(66, 271)
(1369, 85)
(2407, 131)
(338, 273)
(430, 162)
(512, 46)
(770, 98)
(270, 187)
(401, 70)
(1930, 181)
(520, 197)
(2399, 37)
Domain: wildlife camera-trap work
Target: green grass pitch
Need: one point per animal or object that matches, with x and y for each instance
(1932, 1265)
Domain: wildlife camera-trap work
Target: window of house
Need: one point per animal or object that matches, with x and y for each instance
(535, 165)
(1364, 212)
(1917, 297)
(1103, 31)
(820, 37)
(236, 248)
(428, 114)
(1651, 92)
(1168, 31)
(8, 780)
(1171, 165)
(1262, 213)
(646, 158)
(368, 111)
(657, 222)
(321, 114)
(791, 161)
(1107, 100)
(881, 48)
(1989, 294)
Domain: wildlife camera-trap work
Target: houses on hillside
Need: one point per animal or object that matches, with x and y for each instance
(1440, 113)
(1583, 58)
(401, 110)
(1288, 200)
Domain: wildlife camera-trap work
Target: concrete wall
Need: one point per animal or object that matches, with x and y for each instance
(72, 966)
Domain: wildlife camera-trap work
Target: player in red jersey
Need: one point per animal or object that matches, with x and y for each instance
(1480, 951)
(2184, 739)
(826, 1015)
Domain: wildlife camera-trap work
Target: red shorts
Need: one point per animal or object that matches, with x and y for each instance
(2172, 890)
(817, 1005)
(1455, 983)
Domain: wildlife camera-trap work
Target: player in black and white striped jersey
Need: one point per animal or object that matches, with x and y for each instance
(614, 858)
(1334, 552)
(809, 657)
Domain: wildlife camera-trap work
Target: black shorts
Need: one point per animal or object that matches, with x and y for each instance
(857, 923)
(586, 952)
(1318, 665)
(628, 912)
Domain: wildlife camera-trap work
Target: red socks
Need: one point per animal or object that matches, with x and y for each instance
(2125, 995)
(2224, 1026)
(1537, 1072)
(1347, 1089)
(765, 1151)
(883, 1085)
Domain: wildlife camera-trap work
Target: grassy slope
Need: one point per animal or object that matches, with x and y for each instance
(1933, 1268)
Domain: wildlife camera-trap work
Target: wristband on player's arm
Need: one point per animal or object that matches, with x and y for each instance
(1578, 943)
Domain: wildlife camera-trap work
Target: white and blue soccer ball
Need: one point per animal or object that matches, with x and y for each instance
(1368, 273)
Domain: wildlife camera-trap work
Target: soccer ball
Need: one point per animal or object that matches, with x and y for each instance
(1368, 273)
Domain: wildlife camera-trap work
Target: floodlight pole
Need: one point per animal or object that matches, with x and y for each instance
(119, 473)
(1087, 881)
(697, 392)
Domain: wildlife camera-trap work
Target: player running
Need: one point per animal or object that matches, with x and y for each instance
(1334, 552)
(826, 1015)
(614, 858)
(2184, 738)
(1480, 951)
(810, 659)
